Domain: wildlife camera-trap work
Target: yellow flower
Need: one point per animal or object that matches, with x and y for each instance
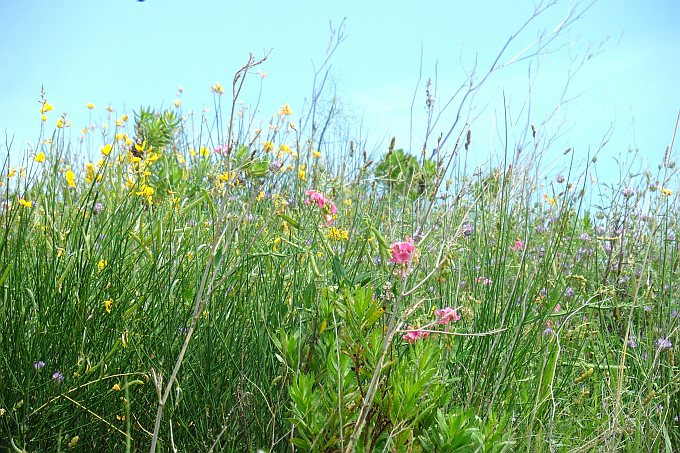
(178, 102)
(12, 172)
(106, 149)
(109, 108)
(43, 118)
(285, 110)
(267, 146)
(301, 173)
(102, 264)
(124, 117)
(292, 126)
(192, 152)
(90, 105)
(107, 305)
(217, 88)
(337, 234)
(316, 154)
(70, 178)
(204, 152)
(550, 201)
(46, 107)
(25, 204)
(115, 388)
(60, 123)
(89, 172)
(40, 157)
(73, 442)
(666, 192)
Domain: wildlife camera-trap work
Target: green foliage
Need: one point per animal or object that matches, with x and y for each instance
(402, 174)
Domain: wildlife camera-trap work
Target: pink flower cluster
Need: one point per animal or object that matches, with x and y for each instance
(519, 245)
(447, 315)
(414, 335)
(403, 252)
(326, 204)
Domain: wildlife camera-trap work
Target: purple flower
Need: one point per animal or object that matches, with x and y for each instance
(38, 365)
(628, 192)
(468, 229)
(560, 179)
(57, 377)
(275, 166)
(97, 208)
(548, 331)
(585, 237)
(632, 343)
(569, 292)
(664, 344)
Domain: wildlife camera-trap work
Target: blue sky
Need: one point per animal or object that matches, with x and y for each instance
(128, 53)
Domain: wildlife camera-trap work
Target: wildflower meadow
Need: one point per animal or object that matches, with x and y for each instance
(174, 281)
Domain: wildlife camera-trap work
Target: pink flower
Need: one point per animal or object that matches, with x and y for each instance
(414, 335)
(557, 308)
(519, 245)
(315, 197)
(219, 149)
(402, 252)
(447, 315)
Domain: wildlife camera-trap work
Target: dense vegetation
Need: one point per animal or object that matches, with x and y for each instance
(230, 288)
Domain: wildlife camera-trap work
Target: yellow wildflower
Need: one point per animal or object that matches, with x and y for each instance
(115, 388)
(285, 110)
(60, 123)
(102, 264)
(70, 178)
(43, 118)
(106, 149)
(337, 234)
(90, 105)
(204, 152)
(177, 103)
(267, 146)
(40, 157)
(46, 107)
(107, 305)
(666, 192)
(302, 174)
(25, 203)
(316, 154)
(89, 172)
(218, 89)
(12, 172)
(124, 117)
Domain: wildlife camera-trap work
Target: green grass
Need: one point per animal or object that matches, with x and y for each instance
(290, 334)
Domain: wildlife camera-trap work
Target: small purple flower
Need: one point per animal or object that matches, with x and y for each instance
(97, 208)
(569, 292)
(38, 365)
(275, 166)
(585, 237)
(543, 292)
(548, 331)
(632, 343)
(671, 236)
(628, 192)
(560, 179)
(664, 344)
(468, 229)
(57, 377)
